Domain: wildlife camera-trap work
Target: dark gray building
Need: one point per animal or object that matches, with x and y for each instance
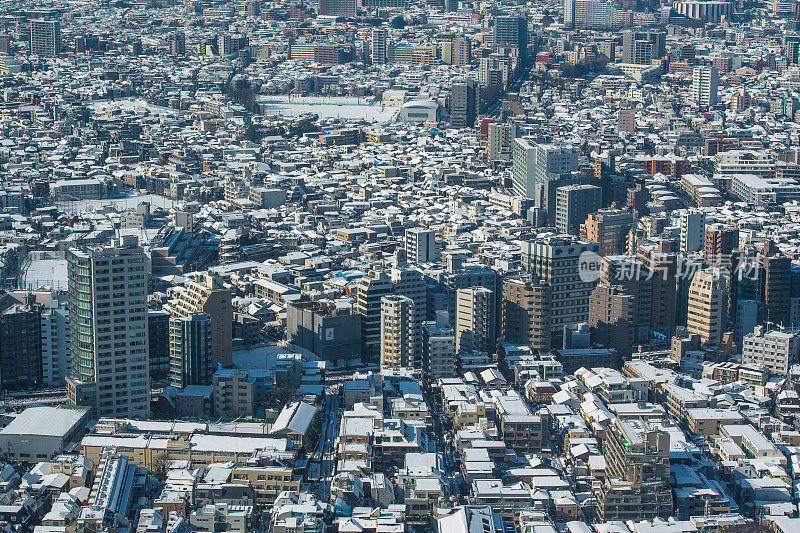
(20, 344)
(158, 335)
(177, 44)
(464, 98)
(45, 37)
(330, 329)
(338, 8)
(190, 350)
(512, 30)
(573, 204)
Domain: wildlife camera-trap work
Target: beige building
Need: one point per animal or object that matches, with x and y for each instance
(267, 481)
(637, 473)
(475, 320)
(239, 392)
(397, 331)
(707, 422)
(200, 450)
(500, 141)
(207, 295)
(526, 313)
(222, 517)
(556, 261)
(707, 301)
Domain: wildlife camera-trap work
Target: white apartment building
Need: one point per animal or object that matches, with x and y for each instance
(756, 162)
(764, 191)
(596, 14)
(55, 343)
(705, 80)
(692, 224)
(420, 245)
(775, 350)
(380, 46)
(109, 368)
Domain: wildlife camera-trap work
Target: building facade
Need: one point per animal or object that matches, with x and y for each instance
(108, 329)
(190, 345)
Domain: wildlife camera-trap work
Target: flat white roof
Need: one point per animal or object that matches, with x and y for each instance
(45, 421)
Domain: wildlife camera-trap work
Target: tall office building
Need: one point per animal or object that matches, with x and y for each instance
(207, 294)
(629, 275)
(461, 52)
(612, 317)
(626, 120)
(704, 86)
(512, 30)
(692, 225)
(719, 250)
(539, 169)
(555, 261)
(20, 343)
(500, 140)
(642, 47)
(158, 334)
(456, 275)
(494, 71)
(410, 283)
(746, 318)
(420, 245)
(438, 348)
(107, 288)
(338, 8)
(775, 283)
(706, 306)
(177, 44)
(380, 46)
(45, 37)
(662, 266)
(397, 332)
(228, 44)
(475, 320)
(574, 203)
(792, 50)
(369, 292)
(636, 485)
(446, 52)
(720, 242)
(190, 341)
(527, 313)
(464, 97)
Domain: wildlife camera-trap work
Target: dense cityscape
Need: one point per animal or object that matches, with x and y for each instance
(387, 266)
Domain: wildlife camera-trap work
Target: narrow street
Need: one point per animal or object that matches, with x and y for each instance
(323, 460)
